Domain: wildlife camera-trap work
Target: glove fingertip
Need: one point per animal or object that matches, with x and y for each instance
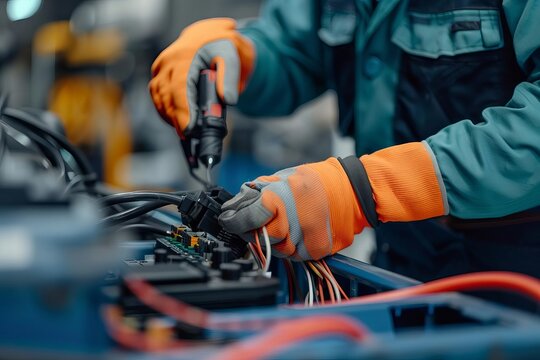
(230, 96)
(225, 216)
(156, 65)
(229, 221)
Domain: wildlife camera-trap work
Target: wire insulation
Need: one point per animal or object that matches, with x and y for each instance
(331, 279)
(119, 198)
(309, 297)
(494, 280)
(255, 256)
(268, 249)
(134, 212)
(283, 335)
(30, 121)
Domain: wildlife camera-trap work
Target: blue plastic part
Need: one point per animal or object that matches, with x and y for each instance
(475, 329)
(360, 273)
(58, 318)
(237, 168)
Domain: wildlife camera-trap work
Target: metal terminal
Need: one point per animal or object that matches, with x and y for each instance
(209, 169)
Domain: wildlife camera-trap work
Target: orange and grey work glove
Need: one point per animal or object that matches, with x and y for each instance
(314, 210)
(207, 44)
(310, 211)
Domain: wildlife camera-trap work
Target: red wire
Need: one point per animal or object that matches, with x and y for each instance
(194, 316)
(320, 288)
(188, 314)
(287, 333)
(167, 305)
(259, 248)
(493, 280)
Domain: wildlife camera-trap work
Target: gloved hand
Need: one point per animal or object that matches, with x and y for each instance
(206, 44)
(310, 211)
(314, 210)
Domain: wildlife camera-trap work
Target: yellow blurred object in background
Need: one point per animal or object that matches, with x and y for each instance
(100, 47)
(93, 116)
(53, 38)
(89, 105)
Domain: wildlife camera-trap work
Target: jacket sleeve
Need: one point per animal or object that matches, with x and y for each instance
(288, 67)
(492, 169)
(487, 170)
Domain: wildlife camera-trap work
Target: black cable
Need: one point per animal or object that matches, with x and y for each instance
(169, 198)
(30, 121)
(3, 102)
(50, 143)
(3, 143)
(60, 163)
(3, 134)
(45, 144)
(144, 227)
(78, 179)
(315, 297)
(133, 213)
(255, 258)
(295, 280)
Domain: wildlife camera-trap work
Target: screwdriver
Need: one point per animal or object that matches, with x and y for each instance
(212, 125)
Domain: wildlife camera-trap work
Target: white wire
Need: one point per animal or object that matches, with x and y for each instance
(332, 281)
(255, 258)
(336, 290)
(310, 285)
(267, 248)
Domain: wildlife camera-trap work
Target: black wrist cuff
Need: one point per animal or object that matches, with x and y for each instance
(362, 187)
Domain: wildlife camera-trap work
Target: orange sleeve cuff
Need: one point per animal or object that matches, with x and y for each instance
(406, 183)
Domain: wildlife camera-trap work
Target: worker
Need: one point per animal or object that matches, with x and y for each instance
(442, 98)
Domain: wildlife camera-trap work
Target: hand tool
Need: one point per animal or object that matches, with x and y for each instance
(205, 140)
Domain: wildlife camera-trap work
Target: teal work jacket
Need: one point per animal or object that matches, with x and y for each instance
(489, 159)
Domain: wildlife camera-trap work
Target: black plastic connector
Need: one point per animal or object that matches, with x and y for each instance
(200, 211)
